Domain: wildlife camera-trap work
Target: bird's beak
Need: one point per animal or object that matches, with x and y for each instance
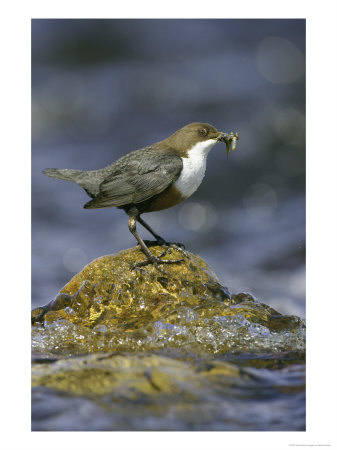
(230, 140)
(222, 137)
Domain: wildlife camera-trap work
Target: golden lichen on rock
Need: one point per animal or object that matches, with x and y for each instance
(130, 376)
(108, 292)
(110, 307)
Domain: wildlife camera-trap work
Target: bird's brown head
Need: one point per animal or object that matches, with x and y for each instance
(188, 136)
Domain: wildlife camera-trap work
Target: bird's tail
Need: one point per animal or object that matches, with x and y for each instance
(63, 174)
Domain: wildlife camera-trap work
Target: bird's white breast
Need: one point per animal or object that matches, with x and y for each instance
(194, 167)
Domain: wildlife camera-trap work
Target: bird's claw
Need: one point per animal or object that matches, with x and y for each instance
(156, 261)
(178, 247)
(168, 246)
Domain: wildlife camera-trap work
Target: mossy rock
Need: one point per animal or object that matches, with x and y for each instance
(110, 307)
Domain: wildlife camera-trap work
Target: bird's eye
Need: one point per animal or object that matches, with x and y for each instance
(203, 131)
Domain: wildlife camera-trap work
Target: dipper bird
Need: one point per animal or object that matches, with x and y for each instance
(151, 179)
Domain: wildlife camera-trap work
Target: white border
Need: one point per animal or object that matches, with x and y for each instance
(321, 221)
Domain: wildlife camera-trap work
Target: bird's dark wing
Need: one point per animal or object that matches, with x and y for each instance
(138, 181)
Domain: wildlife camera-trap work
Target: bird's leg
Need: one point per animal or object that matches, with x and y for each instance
(151, 259)
(158, 238)
(161, 241)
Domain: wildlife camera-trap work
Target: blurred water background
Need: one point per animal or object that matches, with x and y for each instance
(101, 88)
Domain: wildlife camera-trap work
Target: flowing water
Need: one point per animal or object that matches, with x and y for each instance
(141, 351)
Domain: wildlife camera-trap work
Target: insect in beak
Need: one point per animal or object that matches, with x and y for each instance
(230, 140)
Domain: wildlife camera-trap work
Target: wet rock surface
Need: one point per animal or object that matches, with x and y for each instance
(122, 349)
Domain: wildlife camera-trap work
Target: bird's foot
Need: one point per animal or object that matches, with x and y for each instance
(156, 260)
(168, 246)
(176, 246)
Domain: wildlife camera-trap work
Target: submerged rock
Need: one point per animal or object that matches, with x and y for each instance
(143, 391)
(144, 350)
